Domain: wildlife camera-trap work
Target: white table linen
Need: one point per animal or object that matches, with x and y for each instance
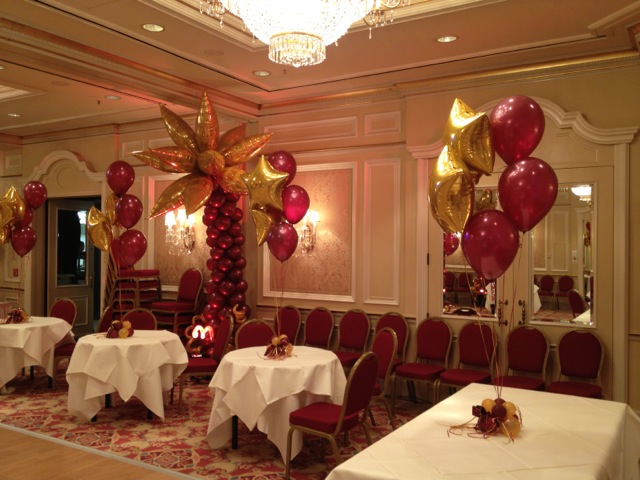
(562, 436)
(144, 365)
(29, 344)
(263, 392)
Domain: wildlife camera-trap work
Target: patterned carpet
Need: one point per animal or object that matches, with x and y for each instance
(177, 443)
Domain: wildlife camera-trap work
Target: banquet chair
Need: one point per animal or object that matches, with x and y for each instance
(105, 320)
(328, 420)
(433, 344)
(448, 286)
(580, 355)
(318, 328)
(565, 283)
(397, 323)
(287, 322)
(476, 353)
(463, 287)
(181, 310)
(206, 366)
(547, 286)
(253, 333)
(385, 346)
(527, 354)
(66, 309)
(577, 303)
(353, 335)
(141, 319)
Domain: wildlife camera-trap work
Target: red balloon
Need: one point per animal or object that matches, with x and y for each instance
(27, 218)
(283, 162)
(517, 125)
(282, 240)
(490, 243)
(527, 190)
(23, 239)
(133, 246)
(35, 194)
(128, 210)
(451, 243)
(120, 177)
(295, 203)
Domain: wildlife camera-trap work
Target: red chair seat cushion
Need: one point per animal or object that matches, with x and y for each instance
(580, 389)
(348, 359)
(519, 381)
(464, 376)
(64, 350)
(322, 416)
(201, 365)
(419, 371)
(172, 306)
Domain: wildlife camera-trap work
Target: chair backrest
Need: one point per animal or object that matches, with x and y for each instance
(464, 279)
(359, 390)
(190, 285)
(577, 302)
(318, 328)
(288, 322)
(141, 319)
(105, 319)
(476, 345)
(527, 350)
(354, 329)
(64, 308)
(565, 283)
(546, 283)
(433, 341)
(581, 354)
(397, 323)
(449, 280)
(253, 333)
(221, 340)
(385, 346)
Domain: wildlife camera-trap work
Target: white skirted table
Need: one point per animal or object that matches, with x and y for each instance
(144, 365)
(562, 436)
(263, 392)
(29, 344)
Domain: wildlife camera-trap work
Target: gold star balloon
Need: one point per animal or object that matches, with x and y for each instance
(207, 158)
(99, 228)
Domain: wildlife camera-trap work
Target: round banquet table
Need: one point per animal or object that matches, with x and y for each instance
(31, 343)
(263, 392)
(144, 365)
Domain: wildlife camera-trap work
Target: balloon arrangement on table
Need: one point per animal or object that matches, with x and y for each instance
(120, 329)
(201, 337)
(16, 215)
(490, 240)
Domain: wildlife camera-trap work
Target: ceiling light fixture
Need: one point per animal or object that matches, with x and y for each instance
(153, 27)
(112, 97)
(298, 32)
(14, 115)
(261, 73)
(447, 38)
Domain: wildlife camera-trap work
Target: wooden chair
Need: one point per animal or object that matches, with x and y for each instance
(141, 319)
(181, 310)
(253, 333)
(353, 331)
(527, 353)
(385, 346)
(287, 322)
(318, 328)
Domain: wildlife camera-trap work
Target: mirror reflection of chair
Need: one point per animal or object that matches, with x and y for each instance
(66, 309)
(476, 352)
(527, 354)
(433, 344)
(253, 333)
(565, 283)
(580, 355)
(328, 420)
(180, 311)
(141, 319)
(463, 287)
(353, 335)
(287, 322)
(318, 328)
(547, 289)
(577, 303)
(397, 323)
(385, 346)
(448, 287)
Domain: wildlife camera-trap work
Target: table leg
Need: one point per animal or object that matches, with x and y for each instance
(234, 432)
(107, 400)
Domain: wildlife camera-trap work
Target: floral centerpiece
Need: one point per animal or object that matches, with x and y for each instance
(279, 348)
(17, 315)
(120, 329)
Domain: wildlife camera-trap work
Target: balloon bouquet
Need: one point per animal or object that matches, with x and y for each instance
(527, 190)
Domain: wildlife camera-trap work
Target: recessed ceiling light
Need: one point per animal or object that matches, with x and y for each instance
(261, 73)
(14, 115)
(1, 67)
(152, 27)
(112, 97)
(447, 39)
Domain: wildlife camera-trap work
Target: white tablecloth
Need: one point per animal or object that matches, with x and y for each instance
(144, 365)
(563, 437)
(264, 392)
(27, 344)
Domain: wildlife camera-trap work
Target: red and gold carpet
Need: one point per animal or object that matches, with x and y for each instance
(178, 443)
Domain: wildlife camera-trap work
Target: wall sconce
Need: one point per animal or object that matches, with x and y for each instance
(583, 192)
(307, 232)
(180, 232)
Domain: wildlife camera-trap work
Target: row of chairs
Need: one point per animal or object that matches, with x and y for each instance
(458, 285)
(547, 287)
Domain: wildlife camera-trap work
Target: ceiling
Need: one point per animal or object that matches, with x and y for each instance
(62, 58)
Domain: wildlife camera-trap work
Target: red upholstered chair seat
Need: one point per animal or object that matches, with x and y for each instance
(347, 359)
(519, 381)
(201, 365)
(464, 376)
(580, 389)
(322, 416)
(420, 371)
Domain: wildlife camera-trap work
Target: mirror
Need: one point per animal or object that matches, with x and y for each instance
(562, 259)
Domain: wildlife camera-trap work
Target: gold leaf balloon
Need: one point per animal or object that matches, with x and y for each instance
(192, 191)
(16, 203)
(179, 131)
(232, 136)
(451, 192)
(168, 159)
(245, 148)
(207, 127)
(265, 185)
(99, 229)
(211, 162)
(110, 208)
(468, 134)
(263, 222)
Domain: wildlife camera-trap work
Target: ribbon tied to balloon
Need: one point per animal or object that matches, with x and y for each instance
(16, 215)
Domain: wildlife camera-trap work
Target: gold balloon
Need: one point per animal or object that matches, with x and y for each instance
(468, 134)
(231, 181)
(5, 234)
(168, 159)
(181, 134)
(245, 149)
(487, 201)
(451, 192)
(192, 191)
(99, 229)
(207, 128)
(232, 136)
(110, 208)
(265, 185)
(263, 222)
(15, 202)
(211, 162)
(6, 214)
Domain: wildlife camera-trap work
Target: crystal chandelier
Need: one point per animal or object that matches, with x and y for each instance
(298, 31)
(180, 232)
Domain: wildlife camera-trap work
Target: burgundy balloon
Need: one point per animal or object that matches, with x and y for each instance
(216, 253)
(217, 276)
(226, 288)
(232, 197)
(120, 177)
(238, 215)
(210, 263)
(210, 286)
(282, 240)
(237, 299)
(212, 232)
(451, 243)
(227, 210)
(242, 286)
(235, 229)
(128, 210)
(490, 243)
(283, 162)
(27, 218)
(234, 252)
(517, 125)
(239, 240)
(23, 240)
(217, 199)
(35, 194)
(235, 275)
(295, 203)
(225, 312)
(222, 223)
(209, 313)
(209, 217)
(225, 264)
(240, 263)
(527, 190)
(225, 241)
(133, 246)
